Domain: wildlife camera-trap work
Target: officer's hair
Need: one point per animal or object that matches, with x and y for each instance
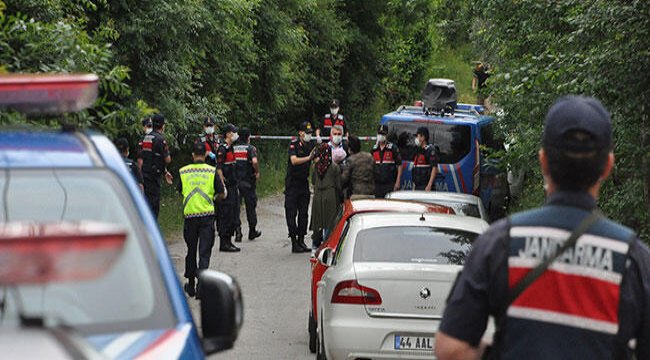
(573, 170)
(122, 145)
(338, 127)
(354, 144)
(199, 149)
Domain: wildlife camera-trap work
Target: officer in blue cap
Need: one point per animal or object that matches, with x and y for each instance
(562, 281)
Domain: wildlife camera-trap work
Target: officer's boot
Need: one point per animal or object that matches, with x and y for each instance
(302, 245)
(190, 287)
(295, 248)
(253, 233)
(238, 234)
(225, 245)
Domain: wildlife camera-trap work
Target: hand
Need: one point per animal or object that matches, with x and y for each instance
(397, 186)
(319, 139)
(257, 175)
(428, 188)
(211, 155)
(225, 192)
(312, 154)
(169, 178)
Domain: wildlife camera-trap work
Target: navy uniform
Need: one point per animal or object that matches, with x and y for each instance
(245, 153)
(123, 146)
(387, 162)
(296, 191)
(329, 120)
(591, 302)
(227, 209)
(425, 161)
(210, 140)
(153, 151)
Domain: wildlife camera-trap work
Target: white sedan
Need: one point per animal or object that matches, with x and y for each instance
(463, 204)
(384, 293)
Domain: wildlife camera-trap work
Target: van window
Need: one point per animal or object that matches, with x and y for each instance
(452, 142)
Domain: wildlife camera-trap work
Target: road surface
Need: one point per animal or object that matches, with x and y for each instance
(275, 286)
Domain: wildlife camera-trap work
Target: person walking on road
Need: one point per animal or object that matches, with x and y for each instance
(328, 195)
(425, 161)
(210, 140)
(329, 120)
(227, 213)
(296, 188)
(199, 185)
(153, 158)
(562, 281)
(122, 146)
(357, 173)
(388, 164)
(248, 171)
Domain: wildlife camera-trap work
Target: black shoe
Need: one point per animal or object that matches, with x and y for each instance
(190, 289)
(254, 234)
(238, 235)
(198, 291)
(302, 245)
(295, 248)
(229, 248)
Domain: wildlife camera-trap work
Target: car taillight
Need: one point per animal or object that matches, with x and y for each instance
(351, 292)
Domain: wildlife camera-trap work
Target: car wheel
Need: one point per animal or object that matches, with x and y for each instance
(320, 350)
(313, 336)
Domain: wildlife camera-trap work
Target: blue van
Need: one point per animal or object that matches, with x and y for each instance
(88, 260)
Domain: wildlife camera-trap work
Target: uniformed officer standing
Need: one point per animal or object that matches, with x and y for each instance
(210, 140)
(331, 119)
(248, 171)
(199, 185)
(296, 189)
(227, 209)
(425, 161)
(388, 164)
(591, 302)
(153, 158)
(122, 146)
(147, 126)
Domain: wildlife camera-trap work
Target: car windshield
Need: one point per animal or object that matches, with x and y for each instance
(413, 244)
(452, 142)
(130, 296)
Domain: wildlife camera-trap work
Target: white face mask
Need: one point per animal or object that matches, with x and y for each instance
(148, 130)
(334, 111)
(306, 137)
(209, 130)
(234, 137)
(381, 138)
(417, 141)
(336, 139)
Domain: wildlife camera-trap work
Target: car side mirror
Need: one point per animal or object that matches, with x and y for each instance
(222, 310)
(326, 256)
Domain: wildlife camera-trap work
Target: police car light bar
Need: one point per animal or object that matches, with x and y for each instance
(48, 93)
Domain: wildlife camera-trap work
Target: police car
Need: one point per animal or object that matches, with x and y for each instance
(81, 256)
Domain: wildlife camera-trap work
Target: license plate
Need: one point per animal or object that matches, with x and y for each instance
(413, 342)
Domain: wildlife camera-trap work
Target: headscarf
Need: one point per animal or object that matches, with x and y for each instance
(324, 153)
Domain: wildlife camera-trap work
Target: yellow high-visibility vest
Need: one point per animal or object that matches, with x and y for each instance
(198, 190)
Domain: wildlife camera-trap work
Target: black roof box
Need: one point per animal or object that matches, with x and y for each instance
(439, 94)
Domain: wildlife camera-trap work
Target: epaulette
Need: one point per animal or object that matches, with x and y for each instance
(389, 145)
(340, 116)
(428, 147)
(328, 116)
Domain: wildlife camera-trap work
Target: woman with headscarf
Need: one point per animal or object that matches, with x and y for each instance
(328, 195)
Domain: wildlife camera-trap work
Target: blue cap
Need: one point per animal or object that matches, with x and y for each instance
(585, 115)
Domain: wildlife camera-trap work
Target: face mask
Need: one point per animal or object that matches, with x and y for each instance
(334, 111)
(234, 137)
(306, 137)
(209, 130)
(336, 140)
(417, 141)
(148, 130)
(381, 138)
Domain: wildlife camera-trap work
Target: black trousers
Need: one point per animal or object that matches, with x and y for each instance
(152, 193)
(227, 213)
(296, 207)
(248, 192)
(198, 232)
(382, 189)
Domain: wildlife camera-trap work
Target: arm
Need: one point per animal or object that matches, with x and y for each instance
(434, 169)
(450, 348)
(474, 83)
(295, 160)
(398, 162)
(219, 187)
(254, 162)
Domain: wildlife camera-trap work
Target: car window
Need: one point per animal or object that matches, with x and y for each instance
(130, 296)
(342, 240)
(460, 208)
(452, 142)
(413, 244)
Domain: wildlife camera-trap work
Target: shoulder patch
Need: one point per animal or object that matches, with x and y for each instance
(389, 145)
(327, 116)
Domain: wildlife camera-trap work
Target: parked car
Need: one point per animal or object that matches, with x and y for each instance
(79, 247)
(463, 204)
(348, 211)
(384, 292)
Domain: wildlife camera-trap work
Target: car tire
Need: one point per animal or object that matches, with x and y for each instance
(320, 349)
(313, 336)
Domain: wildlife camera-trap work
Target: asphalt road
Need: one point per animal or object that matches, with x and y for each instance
(275, 286)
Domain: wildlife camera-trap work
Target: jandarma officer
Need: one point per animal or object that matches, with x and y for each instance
(209, 138)
(227, 209)
(388, 164)
(248, 171)
(153, 158)
(592, 300)
(199, 185)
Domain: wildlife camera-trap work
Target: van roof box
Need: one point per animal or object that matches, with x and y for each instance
(439, 94)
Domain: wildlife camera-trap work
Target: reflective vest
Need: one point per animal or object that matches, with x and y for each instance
(198, 190)
(576, 301)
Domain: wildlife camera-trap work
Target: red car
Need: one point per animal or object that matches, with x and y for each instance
(349, 209)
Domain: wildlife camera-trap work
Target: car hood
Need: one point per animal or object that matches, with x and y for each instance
(147, 344)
